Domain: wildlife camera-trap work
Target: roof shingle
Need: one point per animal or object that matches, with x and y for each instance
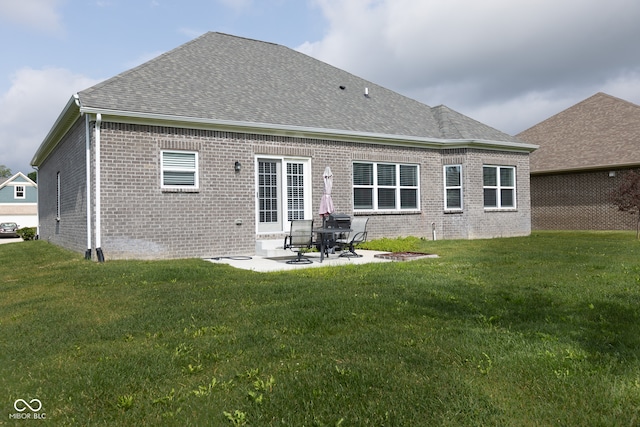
(223, 77)
(600, 132)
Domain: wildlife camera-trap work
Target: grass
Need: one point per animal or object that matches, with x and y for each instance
(533, 331)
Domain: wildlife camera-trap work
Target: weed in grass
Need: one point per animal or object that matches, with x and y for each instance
(485, 364)
(237, 417)
(125, 402)
(192, 369)
(165, 399)
(172, 414)
(182, 350)
(205, 390)
(256, 397)
(264, 386)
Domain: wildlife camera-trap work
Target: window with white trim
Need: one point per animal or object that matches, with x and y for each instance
(453, 187)
(19, 192)
(179, 169)
(385, 187)
(499, 184)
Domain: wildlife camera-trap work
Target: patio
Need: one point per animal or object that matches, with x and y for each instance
(264, 264)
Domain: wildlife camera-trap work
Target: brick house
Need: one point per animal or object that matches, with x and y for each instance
(19, 200)
(212, 148)
(584, 151)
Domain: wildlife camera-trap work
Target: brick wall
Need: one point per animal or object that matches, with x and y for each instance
(142, 220)
(577, 201)
(68, 159)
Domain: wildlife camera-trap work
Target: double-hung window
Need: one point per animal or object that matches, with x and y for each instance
(19, 192)
(179, 169)
(453, 187)
(385, 187)
(499, 187)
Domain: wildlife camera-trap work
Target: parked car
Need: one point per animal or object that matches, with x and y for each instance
(9, 229)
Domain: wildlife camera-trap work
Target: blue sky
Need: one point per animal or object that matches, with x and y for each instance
(509, 64)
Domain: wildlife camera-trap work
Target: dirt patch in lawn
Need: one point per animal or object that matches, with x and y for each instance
(405, 256)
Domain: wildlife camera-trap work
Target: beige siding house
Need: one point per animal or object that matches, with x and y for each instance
(213, 148)
(584, 151)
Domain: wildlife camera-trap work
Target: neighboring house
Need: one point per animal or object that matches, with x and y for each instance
(212, 148)
(19, 201)
(584, 152)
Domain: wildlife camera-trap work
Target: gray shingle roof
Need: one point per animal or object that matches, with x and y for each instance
(600, 132)
(223, 77)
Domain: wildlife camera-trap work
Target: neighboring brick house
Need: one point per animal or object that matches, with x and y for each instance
(19, 200)
(584, 152)
(212, 148)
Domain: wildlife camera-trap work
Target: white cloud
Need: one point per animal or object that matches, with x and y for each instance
(38, 14)
(29, 109)
(502, 62)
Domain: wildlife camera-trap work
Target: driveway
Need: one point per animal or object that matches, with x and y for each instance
(10, 239)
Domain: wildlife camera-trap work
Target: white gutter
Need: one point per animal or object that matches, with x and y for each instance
(312, 132)
(99, 253)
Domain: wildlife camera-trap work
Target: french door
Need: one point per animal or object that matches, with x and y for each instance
(283, 192)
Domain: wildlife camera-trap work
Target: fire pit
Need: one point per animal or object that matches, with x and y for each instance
(405, 256)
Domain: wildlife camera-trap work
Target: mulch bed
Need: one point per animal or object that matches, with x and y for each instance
(405, 256)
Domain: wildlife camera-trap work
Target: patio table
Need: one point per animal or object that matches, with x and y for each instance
(325, 235)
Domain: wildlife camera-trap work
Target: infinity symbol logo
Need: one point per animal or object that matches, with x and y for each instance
(24, 405)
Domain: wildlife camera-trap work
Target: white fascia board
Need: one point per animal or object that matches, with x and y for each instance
(304, 132)
(12, 181)
(63, 123)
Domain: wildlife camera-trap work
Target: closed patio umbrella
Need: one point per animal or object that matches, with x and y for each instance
(326, 203)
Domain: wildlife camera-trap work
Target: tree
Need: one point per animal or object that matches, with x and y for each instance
(627, 196)
(5, 172)
(33, 176)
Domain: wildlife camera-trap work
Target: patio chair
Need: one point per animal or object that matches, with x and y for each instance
(300, 237)
(357, 235)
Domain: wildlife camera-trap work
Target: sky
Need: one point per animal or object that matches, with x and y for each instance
(507, 63)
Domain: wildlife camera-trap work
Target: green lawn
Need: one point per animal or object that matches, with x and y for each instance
(535, 331)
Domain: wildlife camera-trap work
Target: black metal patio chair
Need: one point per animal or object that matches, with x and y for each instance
(357, 235)
(300, 237)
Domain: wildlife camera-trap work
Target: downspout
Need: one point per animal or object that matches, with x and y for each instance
(99, 253)
(87, 139)
(38, 206)
(87, 254)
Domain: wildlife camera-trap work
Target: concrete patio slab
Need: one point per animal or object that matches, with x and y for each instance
(264, 264)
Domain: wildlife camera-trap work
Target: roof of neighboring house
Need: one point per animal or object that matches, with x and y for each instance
(220, 79)
(598, 133)
(18, 177)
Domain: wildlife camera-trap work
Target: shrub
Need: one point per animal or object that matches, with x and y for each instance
(627, 196)
(27, 233)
